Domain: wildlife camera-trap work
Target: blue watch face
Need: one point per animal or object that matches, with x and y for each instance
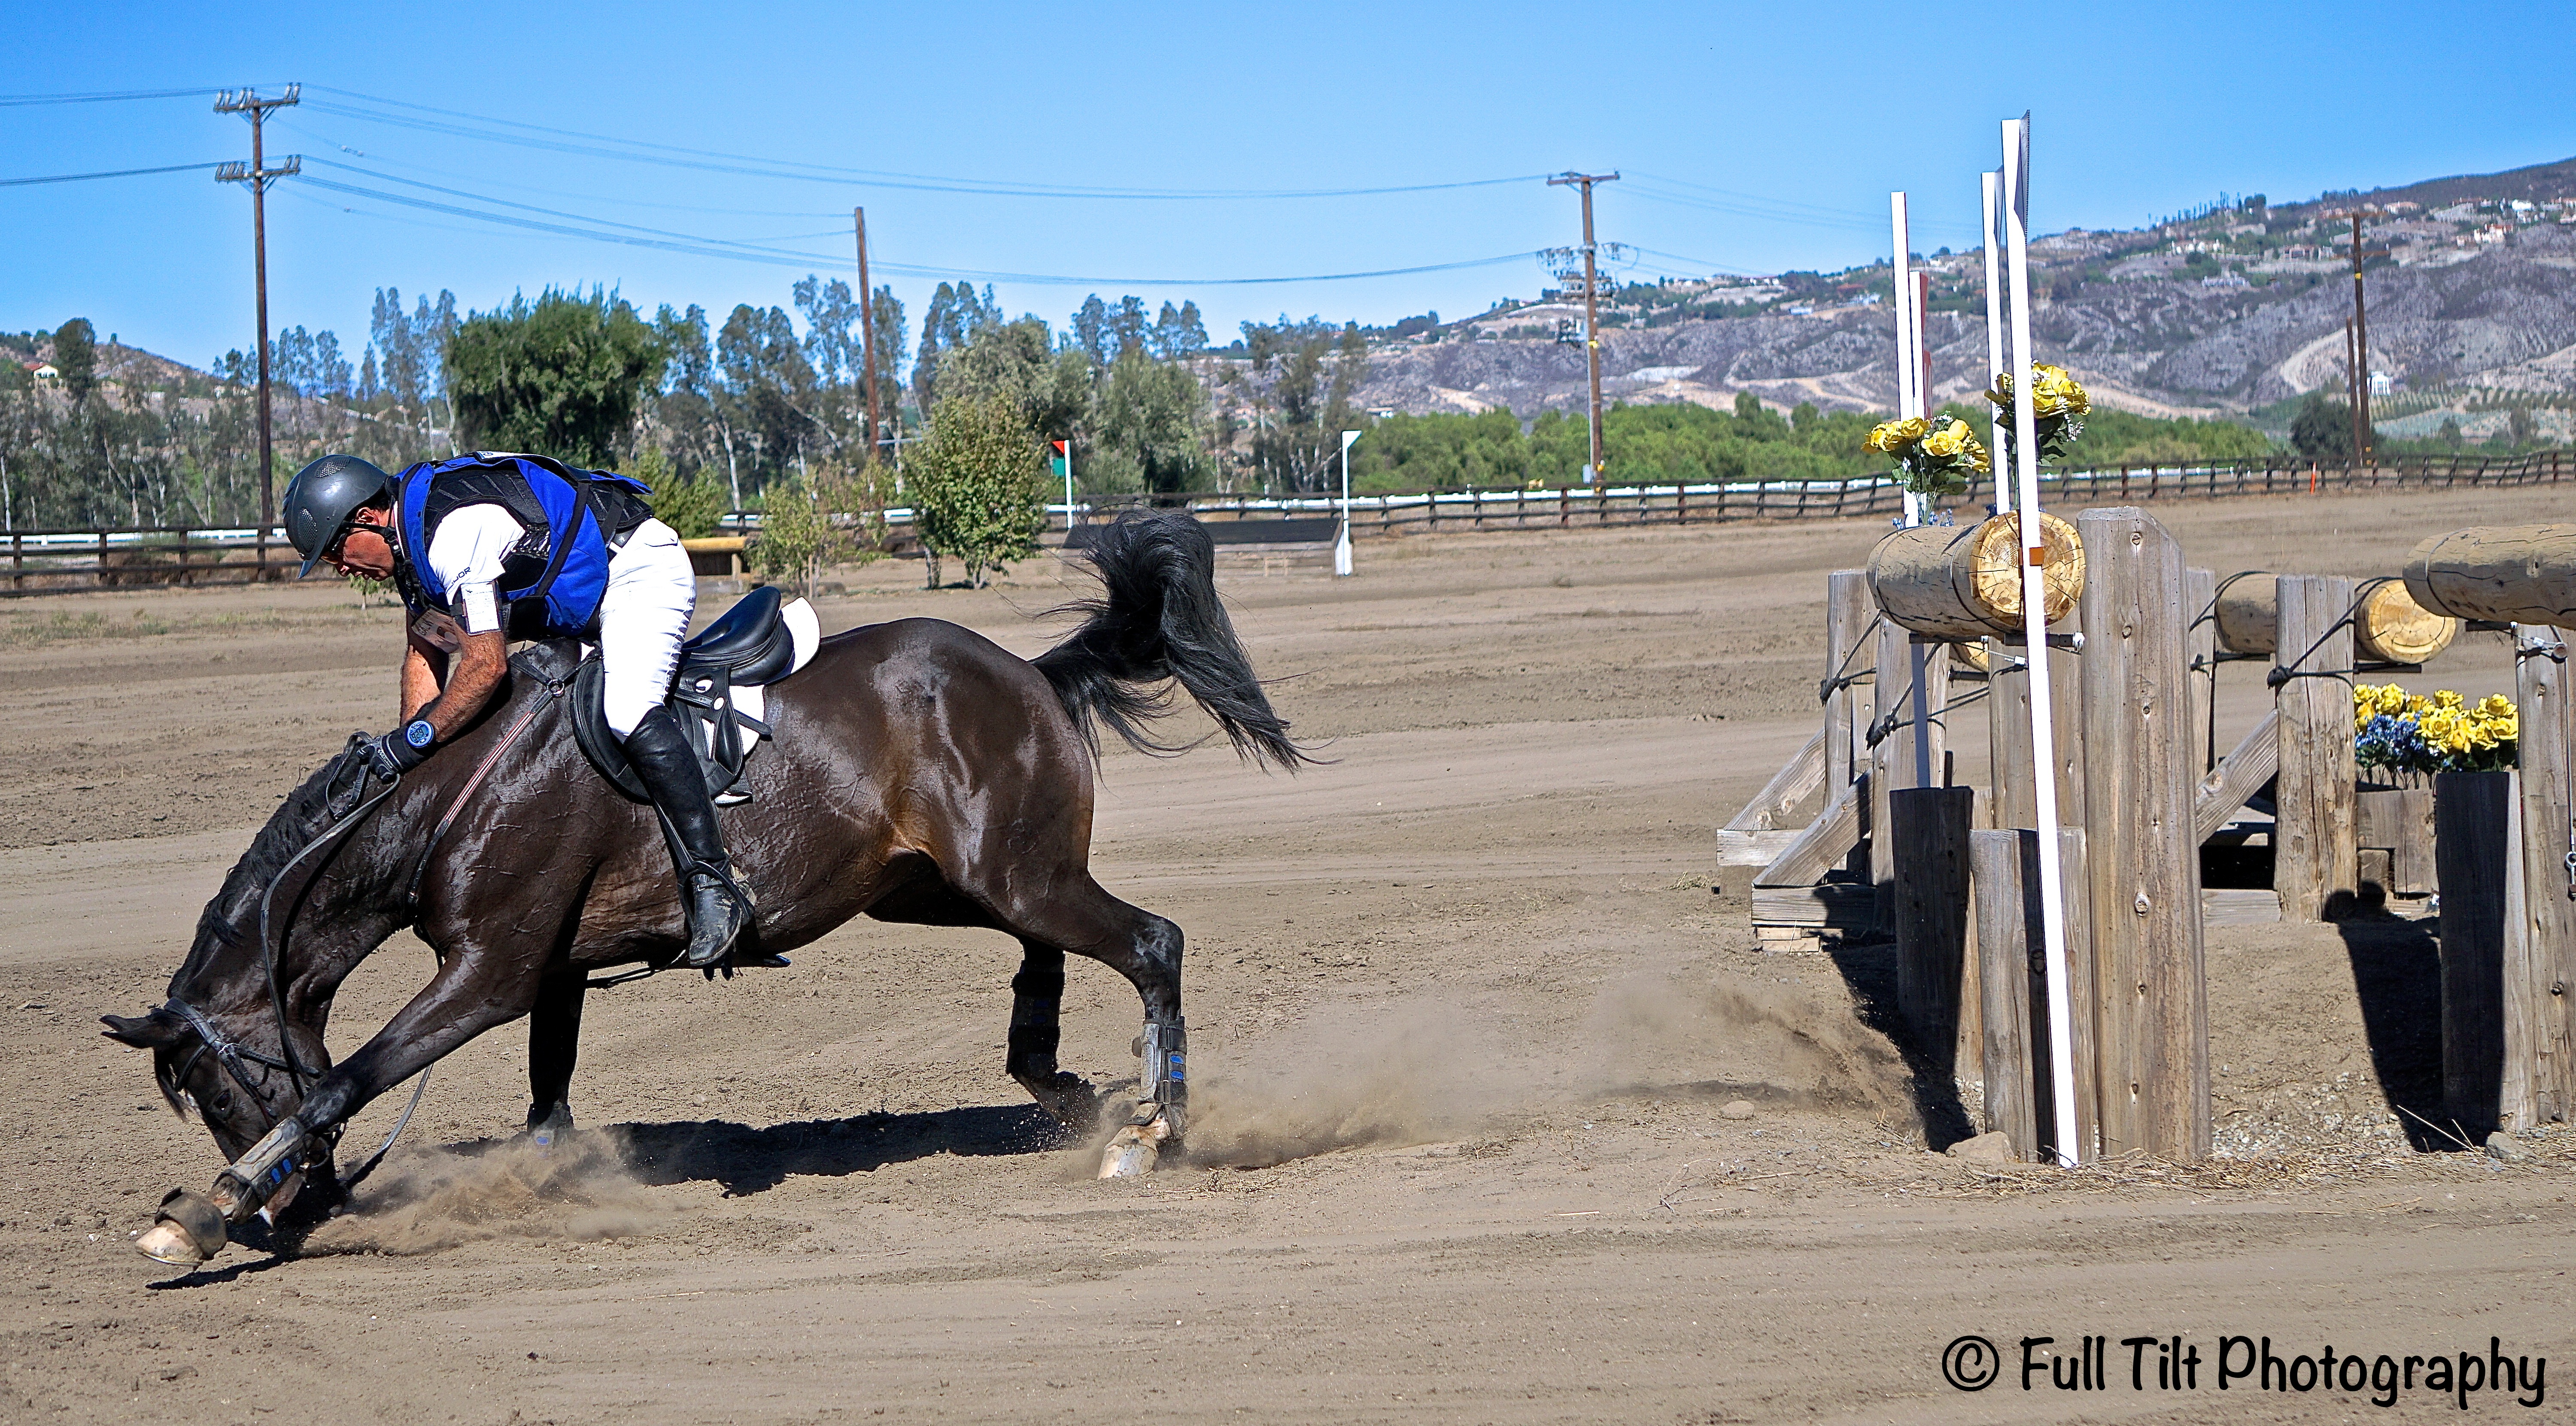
(418, 733)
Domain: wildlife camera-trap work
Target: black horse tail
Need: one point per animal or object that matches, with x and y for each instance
(1158, 620)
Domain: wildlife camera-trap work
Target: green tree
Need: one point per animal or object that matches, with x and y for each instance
(562, 376)
(692, 505)
(977, 485)
(76, 358)
(1152, 417)
(2322, 431)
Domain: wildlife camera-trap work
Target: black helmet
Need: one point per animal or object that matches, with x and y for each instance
(322, 498)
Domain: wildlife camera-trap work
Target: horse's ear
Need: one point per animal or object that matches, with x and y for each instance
(151, 1031)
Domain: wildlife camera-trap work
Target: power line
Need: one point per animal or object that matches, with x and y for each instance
(699, 246)
(674, 155)
(112, 173)
(19, 101)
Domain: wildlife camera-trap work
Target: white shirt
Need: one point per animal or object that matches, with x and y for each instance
(465, 559)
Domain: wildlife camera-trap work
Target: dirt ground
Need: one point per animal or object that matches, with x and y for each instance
(1470, 1022)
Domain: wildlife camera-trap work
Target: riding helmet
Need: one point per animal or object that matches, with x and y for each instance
(321, 500)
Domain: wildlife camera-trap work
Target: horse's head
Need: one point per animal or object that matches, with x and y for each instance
(237, 1031)
(228, 1067)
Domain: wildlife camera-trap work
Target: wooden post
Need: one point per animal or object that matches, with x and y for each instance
(1929, 829)
(1847, 613)
(2014, 801)
(2004, 870)
(2539, 1083)
(2143, 860)
(2316, 851)
(1895, 761)
(2200, 649)
(2474, 853)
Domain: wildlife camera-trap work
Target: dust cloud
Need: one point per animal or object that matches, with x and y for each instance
(438, 1199)
(1425, 1070)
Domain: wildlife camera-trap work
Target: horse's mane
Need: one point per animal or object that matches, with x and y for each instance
(232, 917)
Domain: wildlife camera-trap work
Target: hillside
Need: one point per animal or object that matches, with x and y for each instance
(2472, 292)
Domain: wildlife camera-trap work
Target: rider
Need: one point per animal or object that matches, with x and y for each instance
(482, 538)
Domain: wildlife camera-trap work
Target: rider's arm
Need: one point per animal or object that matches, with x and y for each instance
(473, 672)
(423, 669)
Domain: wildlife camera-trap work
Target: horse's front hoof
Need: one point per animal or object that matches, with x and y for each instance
(1138, 1144)
(186, 1232)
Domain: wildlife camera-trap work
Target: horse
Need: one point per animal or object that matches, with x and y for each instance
(920, 774)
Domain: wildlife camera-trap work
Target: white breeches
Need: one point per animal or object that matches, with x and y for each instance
(642, 617)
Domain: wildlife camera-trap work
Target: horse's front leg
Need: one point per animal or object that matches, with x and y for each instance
(476, 988)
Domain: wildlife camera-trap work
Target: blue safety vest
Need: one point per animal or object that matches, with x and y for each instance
(554, 577)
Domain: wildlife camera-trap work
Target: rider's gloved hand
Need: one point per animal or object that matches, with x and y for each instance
(401, 750)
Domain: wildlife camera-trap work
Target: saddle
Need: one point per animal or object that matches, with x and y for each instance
(717, 694)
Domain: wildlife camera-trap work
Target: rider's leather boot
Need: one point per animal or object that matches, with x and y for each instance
(672, 777)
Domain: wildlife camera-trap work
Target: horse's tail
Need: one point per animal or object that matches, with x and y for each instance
(1158, 619)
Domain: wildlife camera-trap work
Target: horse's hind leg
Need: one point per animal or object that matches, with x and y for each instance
(1145, 948)
(554, 1041)
(1037, 997)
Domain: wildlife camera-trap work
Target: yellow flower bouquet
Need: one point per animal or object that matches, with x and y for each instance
(2058, 407)
(2410, 733)
(1933, 458)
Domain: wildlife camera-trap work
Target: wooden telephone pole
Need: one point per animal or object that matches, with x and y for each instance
(867, 325)
(2360, 348)
(259, 177)
(1591, 300)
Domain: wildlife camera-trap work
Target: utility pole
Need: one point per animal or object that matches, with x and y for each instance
(867, 321)
(259, 177)
(2361, 431)
(1591, 300)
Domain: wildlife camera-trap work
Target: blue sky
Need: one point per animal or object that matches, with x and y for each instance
(1754, 138)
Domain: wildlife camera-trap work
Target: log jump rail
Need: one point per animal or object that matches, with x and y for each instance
(1895, 850)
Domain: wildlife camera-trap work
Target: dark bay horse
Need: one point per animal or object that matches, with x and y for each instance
(920, 774)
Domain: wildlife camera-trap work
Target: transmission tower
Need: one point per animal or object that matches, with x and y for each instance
(1591, 299)
(259, 177)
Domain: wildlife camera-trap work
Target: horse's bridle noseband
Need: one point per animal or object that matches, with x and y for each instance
(229, 1053)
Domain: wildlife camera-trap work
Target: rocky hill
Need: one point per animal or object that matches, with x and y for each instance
(2471, 288)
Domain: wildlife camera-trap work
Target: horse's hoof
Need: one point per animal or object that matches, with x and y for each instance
(552, 1131)
(187, 1231)
(1138, 1144)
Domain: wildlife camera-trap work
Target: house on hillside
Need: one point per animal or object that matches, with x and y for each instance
(42, 370)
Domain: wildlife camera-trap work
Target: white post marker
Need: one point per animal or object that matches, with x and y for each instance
(2034, 604)
(1342, 543)
(1993, 186)
(1909, 402)
(1064, 450)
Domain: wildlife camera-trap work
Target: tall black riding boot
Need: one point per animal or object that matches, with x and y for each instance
(672, 776)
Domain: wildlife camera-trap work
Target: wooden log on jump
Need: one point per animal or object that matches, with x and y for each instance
(2316, 863)
(2475, 850)
(1929, 828)
(1957, 582)
(2142, 857)
(2013, 1029)
(2513, 574)
(2539, 1084)
(2389, 626)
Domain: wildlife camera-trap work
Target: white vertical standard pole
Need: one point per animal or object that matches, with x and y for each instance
(1909, 401)
(1342, 545)
(1992, 184)
(2034, 604)
(1068, 485)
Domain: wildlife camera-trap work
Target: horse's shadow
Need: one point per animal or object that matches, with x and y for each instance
(743, 1160)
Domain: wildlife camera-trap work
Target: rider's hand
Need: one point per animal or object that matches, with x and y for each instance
(399, 751)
